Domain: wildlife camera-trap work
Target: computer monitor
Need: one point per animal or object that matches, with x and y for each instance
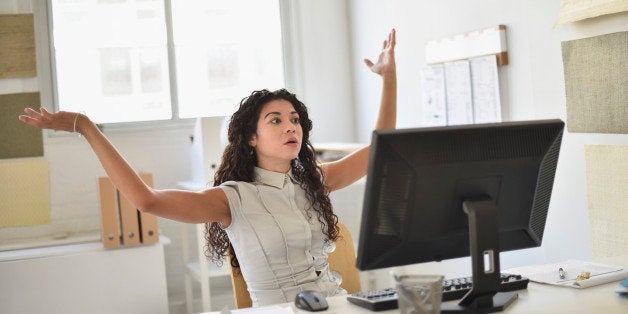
(446, 192)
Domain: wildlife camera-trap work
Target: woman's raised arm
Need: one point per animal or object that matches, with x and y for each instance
(186, 206)
(343, 172)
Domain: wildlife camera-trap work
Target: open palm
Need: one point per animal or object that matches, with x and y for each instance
(386, 61)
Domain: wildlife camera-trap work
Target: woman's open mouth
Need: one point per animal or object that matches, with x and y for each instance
(292, 142)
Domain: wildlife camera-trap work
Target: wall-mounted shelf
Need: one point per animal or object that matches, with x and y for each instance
(488, 41)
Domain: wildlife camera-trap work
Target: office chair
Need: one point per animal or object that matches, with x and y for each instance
(341, 260)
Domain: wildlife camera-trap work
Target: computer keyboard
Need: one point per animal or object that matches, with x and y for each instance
(453, 289)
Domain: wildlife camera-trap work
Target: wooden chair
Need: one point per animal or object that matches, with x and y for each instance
(341, 260)
(242, 297)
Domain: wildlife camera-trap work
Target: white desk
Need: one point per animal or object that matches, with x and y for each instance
(538, 298)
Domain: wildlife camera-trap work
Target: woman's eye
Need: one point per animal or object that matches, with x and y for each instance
(296, 120)
(275, 121)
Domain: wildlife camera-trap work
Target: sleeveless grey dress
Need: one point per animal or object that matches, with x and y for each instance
(280, 249)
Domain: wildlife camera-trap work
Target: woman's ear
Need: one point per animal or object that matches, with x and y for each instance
(253, 140)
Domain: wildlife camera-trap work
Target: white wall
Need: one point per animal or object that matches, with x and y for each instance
(532, 88)
(323, 77)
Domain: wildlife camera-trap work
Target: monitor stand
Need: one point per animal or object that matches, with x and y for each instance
(484, 296)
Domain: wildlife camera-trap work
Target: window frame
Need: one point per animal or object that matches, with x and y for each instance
(290, 59)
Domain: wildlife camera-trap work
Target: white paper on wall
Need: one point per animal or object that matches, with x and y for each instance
(434, 101)
(458, 91)
(485, 85)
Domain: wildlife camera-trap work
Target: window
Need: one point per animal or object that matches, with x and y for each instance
(112, 57)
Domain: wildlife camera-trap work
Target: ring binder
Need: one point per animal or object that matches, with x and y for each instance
(122, 224)
(110, 228)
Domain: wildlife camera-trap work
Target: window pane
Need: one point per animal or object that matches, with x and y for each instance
(111, 59)
(225, 50)
(115, 75)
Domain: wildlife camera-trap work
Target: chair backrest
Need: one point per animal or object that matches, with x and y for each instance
(341, 260)
(240, 292)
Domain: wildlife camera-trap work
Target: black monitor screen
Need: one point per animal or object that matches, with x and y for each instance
(419, 178)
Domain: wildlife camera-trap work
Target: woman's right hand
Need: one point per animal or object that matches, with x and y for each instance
(62, 120)
(385, 64)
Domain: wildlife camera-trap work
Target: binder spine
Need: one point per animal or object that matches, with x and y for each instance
(149, 230)
(110, 227)
(129, 222)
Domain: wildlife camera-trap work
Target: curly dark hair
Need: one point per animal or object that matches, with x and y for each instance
(239, 161)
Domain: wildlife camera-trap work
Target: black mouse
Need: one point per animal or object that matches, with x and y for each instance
(311, 300)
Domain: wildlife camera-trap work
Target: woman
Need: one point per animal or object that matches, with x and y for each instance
(270, 205)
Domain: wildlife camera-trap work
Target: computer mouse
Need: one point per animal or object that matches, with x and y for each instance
(311, 300)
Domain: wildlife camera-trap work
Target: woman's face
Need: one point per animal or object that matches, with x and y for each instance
(278, 137)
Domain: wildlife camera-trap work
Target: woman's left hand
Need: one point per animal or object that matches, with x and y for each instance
(386, 62)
